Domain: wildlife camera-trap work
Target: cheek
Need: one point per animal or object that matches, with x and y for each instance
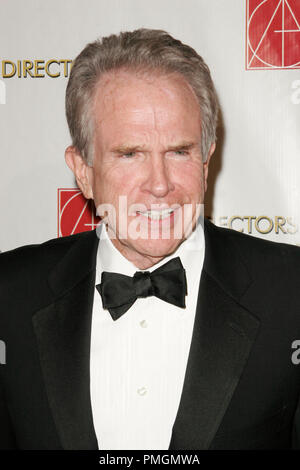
(116, 173)
(189, 178)
(112, 182)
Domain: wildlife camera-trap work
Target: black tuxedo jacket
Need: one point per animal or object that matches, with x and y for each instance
(241, 388)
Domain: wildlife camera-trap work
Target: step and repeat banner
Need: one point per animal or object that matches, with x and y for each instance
(253, 50)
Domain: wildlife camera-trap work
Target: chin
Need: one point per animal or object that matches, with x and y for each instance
(156, 248)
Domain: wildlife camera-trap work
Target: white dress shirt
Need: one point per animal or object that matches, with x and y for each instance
(138, 362)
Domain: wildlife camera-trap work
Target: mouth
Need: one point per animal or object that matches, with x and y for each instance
(157, 215)
(159, 220)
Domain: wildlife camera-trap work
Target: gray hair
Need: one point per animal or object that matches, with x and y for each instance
(140, 50)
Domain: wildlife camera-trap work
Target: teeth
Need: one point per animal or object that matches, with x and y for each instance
(156, 215)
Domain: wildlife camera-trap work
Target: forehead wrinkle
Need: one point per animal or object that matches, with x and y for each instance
(154, 114)
(108, 93)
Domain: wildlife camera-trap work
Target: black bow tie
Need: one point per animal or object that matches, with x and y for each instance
(119, 292)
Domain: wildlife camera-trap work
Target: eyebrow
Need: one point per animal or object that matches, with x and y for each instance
(127, 148)
(184, 146)
(123, 149)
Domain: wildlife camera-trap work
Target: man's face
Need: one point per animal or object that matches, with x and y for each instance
(147, 148)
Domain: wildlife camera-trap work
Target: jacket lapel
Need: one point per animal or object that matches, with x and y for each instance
(63, 337)
(223, 334)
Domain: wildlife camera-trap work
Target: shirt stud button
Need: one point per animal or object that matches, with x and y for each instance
(143, 324)
(142, 391)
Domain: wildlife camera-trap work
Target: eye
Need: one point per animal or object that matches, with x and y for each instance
(181, 152)
(127, 155)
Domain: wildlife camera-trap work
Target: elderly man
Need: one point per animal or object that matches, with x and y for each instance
(158, 330)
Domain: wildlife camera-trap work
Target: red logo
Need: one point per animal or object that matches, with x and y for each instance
(75, 213)
(273, 34)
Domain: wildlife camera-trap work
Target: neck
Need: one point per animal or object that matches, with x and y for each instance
(142, 261)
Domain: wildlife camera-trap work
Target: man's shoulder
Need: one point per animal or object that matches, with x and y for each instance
(263, 275)
(25, 259)
(254, 249)
(249, 240)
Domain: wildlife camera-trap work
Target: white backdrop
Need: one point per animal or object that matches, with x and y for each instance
(255, 174)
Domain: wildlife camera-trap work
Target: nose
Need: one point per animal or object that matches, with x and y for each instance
(157, 181)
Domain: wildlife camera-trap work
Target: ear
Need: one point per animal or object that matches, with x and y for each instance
(206, 164)
(82, 172)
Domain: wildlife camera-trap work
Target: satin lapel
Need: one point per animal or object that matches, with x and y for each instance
(223, 334)
(63, 337)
